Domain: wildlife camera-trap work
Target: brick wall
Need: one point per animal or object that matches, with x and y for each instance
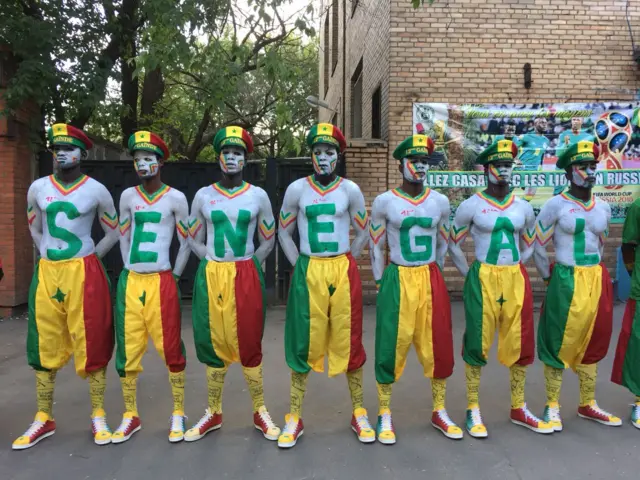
(367, 38)
(473, 51)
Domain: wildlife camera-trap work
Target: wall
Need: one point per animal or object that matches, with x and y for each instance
(367, 38)
(473, 51)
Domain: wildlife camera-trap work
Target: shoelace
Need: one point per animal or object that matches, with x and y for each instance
(445, 418)
(266, 419)
(363, 422)
(553, 414)
(177, 423)
(100, 424)
(291, 426)
(597, 409)
(207, 416)
(385, 420)
(529, 415)
(124, 426)
(476, 417)
(34, 428)
(635, 411)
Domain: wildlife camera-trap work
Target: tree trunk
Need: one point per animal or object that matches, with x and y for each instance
(152, 92)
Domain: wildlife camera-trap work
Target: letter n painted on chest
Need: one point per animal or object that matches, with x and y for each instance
(236, 237)
(315, 227)
(580, 246)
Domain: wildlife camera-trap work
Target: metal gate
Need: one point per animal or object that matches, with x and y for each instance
(272, 174)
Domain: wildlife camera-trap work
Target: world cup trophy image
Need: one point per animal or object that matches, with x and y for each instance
(613, 132)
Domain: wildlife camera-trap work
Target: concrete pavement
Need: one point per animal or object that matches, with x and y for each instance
(328, 449)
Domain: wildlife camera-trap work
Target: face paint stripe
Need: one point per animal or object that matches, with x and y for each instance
(230, 193)
(321, 189)
(155, 197)
(588, 206)
(72, 187)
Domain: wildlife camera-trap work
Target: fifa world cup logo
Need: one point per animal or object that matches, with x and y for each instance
(613, 132)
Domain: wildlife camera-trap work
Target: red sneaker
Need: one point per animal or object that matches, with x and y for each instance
(41, 428)
(441, 421)
(595, 413)
(522, 416)
(360, 424)
(263, 422)
(130, 425)
(208, 423)
(293, 429)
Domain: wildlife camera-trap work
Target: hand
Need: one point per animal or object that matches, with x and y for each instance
(546, 281)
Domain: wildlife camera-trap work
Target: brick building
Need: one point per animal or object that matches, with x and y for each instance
(379, 57)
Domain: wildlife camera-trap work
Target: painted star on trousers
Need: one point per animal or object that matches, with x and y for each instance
(143, 298)
(501, 300)
(59, 296)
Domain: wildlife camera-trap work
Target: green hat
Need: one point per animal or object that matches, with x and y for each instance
(235, 136)
(414, 145)
(63, 134)
(326, 133)
(148, 141)
(582, 151)
(500, 150)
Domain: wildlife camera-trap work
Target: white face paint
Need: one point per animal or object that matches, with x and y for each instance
(499, 173)
(146, 163)
(583, 174)
(324, 158)
(414, 169)
(67, 156)
(232, 159)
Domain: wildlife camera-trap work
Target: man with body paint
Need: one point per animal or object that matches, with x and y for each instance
(497, 291)
(532, 149)
(626, 366)
(148, 300)
(228, 295)
(413, 303)
(324, 309)
(69, 299)
(576, 318)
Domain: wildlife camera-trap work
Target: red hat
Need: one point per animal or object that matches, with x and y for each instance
(63, 134)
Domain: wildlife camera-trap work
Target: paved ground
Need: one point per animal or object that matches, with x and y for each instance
(328, 450)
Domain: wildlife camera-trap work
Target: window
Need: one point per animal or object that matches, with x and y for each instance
(326, 55)
(356, 102)
(335, 20)
(376, 113)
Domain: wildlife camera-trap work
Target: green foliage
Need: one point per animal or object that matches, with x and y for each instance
(417, 3)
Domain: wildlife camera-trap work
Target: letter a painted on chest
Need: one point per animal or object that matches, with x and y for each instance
(502, 238)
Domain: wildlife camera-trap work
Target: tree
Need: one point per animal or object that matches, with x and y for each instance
(187, 67)
(417, 3)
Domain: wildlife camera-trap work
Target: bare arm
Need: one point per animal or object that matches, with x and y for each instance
(266, 228)
(34, 216)
(108, 221)
(197, 232)
(377, 238)
(359, 219)
(182, 226)
(442, 239)
(545, 226)
(605, 234)
(458, 234)
(288, 216)
(528, 236)
(125, 226)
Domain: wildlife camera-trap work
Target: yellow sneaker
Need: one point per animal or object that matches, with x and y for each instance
(360, 424)
(100, 429)
(441, 421)
(263, 422)
(42, 427)
(176, 431)
(552, 416)
(130, 424)
(475, 425)
(635, 415)
(593, 412)
(384, 429)
(293, 429)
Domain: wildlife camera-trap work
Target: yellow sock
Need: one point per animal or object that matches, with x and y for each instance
(518, 376)
(354, 379)
(97, 386)
(587, 375)
(215, 385)
(176, 379)
(129, 394)
(438, 393)
(472, 373)
(298, 389)
(45, 381)
(553, 383)
(253, 377)
(384, 396)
